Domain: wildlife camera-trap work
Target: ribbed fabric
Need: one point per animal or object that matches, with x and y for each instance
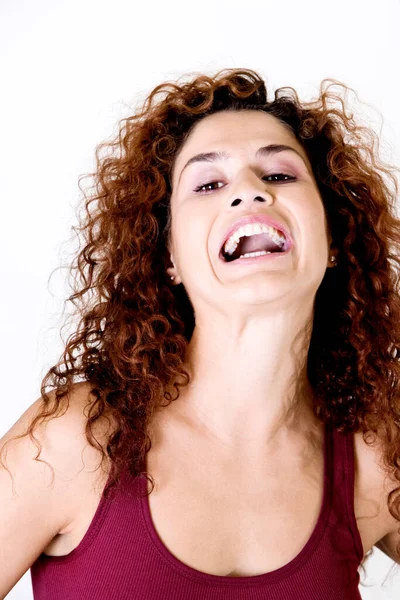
(121, 556)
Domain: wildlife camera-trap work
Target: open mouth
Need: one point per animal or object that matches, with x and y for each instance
(249, 246)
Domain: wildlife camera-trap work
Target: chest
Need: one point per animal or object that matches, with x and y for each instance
(225, 520)
(228, 526)
(229, 520)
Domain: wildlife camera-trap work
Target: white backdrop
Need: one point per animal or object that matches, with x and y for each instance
(70, 70)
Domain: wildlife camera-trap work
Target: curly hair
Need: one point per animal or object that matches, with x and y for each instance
(134, 327)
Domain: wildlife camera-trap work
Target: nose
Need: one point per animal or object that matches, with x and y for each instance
(237, 201)
(251, 189)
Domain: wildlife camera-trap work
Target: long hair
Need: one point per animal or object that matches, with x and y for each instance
(133, 327)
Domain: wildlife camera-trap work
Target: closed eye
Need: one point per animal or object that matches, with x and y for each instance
(286, 177)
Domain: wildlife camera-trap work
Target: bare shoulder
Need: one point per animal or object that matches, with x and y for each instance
(40, 498)
(61, 436)
(372, 486)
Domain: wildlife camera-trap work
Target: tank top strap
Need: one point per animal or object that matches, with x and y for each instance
(343, 481)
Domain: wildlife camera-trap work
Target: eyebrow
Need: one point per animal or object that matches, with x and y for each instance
(269, 150)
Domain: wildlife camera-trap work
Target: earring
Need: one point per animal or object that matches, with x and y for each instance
(172, 276)
(332, 258)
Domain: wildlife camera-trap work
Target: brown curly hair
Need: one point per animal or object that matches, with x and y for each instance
(134, 327)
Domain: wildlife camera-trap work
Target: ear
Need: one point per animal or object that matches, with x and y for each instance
(332, 249)
(172, 272)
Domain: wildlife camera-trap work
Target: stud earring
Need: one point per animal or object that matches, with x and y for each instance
(332, 258)
(172, 277)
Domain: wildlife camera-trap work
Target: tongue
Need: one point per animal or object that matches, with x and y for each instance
(255, 243)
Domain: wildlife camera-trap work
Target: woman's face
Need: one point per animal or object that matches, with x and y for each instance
(210, 195)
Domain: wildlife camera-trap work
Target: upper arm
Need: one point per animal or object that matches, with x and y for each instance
(374, 485)
(388, 544)
(391, 539)
(40, 500)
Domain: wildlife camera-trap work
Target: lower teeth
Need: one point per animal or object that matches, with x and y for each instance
(250, 254)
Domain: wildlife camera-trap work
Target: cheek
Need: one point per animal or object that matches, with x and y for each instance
(314, 211)
(191, 238)
(313, 223)
(317, 220)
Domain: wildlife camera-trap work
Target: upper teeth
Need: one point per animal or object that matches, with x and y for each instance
(252, 229)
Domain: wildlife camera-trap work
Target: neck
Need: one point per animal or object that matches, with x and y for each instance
(249, 386)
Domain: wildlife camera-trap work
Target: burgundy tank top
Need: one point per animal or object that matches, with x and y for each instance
(121, 556)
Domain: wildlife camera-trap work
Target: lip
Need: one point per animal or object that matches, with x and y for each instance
(259, 218)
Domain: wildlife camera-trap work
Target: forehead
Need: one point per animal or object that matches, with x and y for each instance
(235, 131)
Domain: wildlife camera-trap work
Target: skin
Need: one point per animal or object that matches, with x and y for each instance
(249, 393)
(241, 420)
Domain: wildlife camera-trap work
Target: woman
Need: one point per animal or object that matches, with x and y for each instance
(237, 347)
